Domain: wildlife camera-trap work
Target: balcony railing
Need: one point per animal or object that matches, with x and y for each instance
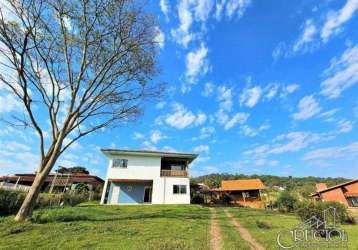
(174, 173)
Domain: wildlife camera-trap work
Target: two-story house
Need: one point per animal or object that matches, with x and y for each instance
(141, 176)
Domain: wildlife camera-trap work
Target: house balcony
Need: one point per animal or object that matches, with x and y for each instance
(173, 173)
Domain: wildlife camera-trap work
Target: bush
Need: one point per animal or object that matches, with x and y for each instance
(197, 199)
(305, 210)
(286, 202)
(263, 225)
(11, 200)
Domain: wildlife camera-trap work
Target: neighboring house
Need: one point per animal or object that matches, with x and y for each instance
(142, 176)
(345, 193)
(246, 193)
(54, 182)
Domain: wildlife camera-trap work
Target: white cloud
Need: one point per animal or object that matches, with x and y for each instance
(160, 105)
(289, 89)
(182, 34)
(164, 7)
(266, 162)
(181, 118)
(290, 142)
(271, 90)
(156, 136)
(208, 89)
(206, 132)
(250, 96)
(342, 74)
(307, 108)
(9, 103)
(225, 97)
(345, 126)
(200, 118)
(159, 38)
(345, 152)
(236, 8)
(202, 9)
(238, 118)
(307, 36)
(328, 115)
(197, 63)
(335, 19)
(201, 149)
(251, 132)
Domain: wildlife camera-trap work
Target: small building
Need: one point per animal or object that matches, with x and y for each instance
(150, 177)
(54, 182)
(245, 193)
(345, 193)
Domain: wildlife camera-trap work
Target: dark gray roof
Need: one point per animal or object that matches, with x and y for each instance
(112, 152)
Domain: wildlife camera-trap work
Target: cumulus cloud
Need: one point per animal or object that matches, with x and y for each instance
(156, 136)
(335, 19)
(341, 74)
(345, 152)
(181, 117)
(159, 38)
(238, 118)
(344, 126)
(206, 132)
(164, 7)
(224, 97)
(307, 108)
(201, 149)
(196, 65)
(251, 132)
(250, 96)
(9, 103)
(307, 35)
(208, 89)
(231, 8)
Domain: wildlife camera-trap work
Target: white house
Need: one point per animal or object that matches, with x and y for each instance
(141, 176)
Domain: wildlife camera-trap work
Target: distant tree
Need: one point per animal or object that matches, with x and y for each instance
(72, 170)
(286, 201)
(78, 66)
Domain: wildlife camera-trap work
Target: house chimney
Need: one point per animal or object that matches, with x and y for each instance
(320, 186)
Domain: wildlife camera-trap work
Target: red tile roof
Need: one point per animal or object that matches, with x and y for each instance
(241, 185)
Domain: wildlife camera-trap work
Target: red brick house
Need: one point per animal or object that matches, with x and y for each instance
(345, 193)
(246, 193)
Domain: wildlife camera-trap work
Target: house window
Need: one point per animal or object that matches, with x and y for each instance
(120, 163)
(179, 189)
(246, 194)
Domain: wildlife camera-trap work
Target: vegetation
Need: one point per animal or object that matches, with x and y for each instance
(110, 227)
(72, 170)
(286, 202)
(76, 67)
(302, 186)
(10, 200)
(306, 210)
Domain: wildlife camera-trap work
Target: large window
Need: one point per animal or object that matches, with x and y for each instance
(179, 189)
(120, 163)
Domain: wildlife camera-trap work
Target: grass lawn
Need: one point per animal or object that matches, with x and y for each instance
(277, 222)
(144, 227)
(110, 227)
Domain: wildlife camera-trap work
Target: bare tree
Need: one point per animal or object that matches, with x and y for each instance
(86, 64)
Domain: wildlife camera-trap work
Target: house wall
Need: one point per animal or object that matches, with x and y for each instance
(334, 195)
(148, 168)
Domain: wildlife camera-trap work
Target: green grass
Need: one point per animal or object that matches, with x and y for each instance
(92, 226)
(110, 227)
(277, 222)
(231, 239)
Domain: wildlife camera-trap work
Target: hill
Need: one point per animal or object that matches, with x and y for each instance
(302, 185)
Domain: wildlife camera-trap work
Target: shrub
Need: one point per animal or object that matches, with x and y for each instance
(197, 199)
(305, 210)
(263, 225)
(11, 200)
(286, 202)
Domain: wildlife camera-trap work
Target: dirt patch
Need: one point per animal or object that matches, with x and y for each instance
(245, 234)
(215, 234)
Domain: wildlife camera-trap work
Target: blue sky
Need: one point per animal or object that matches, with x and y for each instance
(253, 87)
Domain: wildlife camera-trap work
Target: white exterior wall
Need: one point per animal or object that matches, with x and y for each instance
(148, 168)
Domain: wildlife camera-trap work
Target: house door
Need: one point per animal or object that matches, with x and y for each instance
(115, 194)
(147, 195)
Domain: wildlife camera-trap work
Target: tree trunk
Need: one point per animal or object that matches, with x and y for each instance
(25, 212)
